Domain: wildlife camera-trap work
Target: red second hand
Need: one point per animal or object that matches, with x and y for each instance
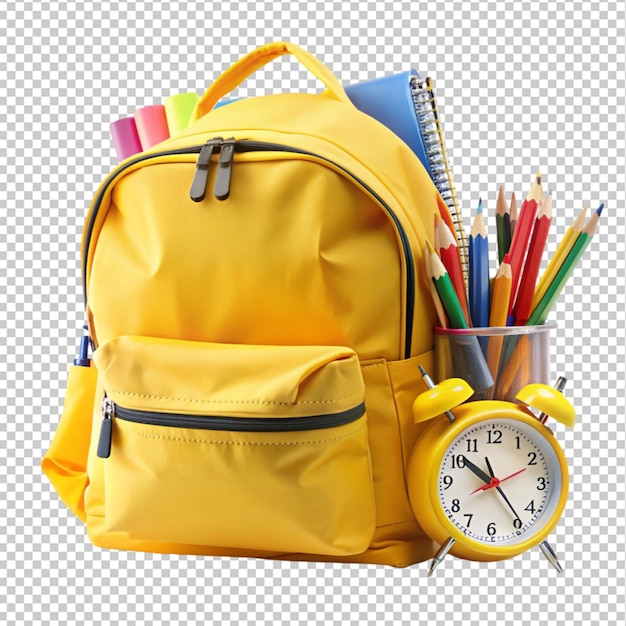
(495, 482)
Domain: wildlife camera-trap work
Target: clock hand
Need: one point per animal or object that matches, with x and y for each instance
(474, 468)
(488, 480)
(502, 492)
(494, 482)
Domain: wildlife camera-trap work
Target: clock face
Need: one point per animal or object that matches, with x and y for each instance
(499, 482)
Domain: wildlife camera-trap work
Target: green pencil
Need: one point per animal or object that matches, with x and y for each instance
(542, 310)
(445, 289)
(503, 225)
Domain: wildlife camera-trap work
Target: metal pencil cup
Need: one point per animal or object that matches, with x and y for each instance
(496, 361)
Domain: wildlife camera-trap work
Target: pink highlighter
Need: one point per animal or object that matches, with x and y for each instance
(125, 137)
(151, 125)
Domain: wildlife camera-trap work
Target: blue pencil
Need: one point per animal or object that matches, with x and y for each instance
(479, 270)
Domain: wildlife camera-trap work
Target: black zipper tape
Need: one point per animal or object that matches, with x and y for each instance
(241, 424)
(270, 424)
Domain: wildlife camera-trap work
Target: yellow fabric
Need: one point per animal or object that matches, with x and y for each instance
(288, 296)
(243, 68)
(229, 379)
(65, 462)
(398, 539)
(302, 491)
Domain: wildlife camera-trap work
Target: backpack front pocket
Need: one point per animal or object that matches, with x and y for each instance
(253, 447)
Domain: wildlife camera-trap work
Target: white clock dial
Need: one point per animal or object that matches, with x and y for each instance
(499, 482)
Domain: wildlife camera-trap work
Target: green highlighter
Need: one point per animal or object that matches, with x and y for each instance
(178, 109)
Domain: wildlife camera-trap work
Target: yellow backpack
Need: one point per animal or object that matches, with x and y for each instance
(257, 307)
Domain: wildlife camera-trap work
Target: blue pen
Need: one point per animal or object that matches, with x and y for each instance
(83, 350)
(479, 270)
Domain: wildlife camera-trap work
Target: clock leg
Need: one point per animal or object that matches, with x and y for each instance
(549, 553)
(441, 555)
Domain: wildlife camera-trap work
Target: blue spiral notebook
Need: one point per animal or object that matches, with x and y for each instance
(407, 105)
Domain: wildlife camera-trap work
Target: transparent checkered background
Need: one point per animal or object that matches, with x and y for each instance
(521, 86)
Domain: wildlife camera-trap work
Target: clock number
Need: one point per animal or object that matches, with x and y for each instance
(469, 519)
(517, 523)
(491, 529)
(458, 461)
(531, 507)
(456, 505)
(517, 446)
(541, 483)
(447, 481)
(494, 436)
(472, 445)
(533, 458)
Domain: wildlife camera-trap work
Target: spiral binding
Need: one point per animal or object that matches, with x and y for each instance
(425, 102)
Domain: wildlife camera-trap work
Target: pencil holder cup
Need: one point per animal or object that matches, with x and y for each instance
(496, 361)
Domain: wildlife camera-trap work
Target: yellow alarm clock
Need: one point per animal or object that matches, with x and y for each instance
(487, 479)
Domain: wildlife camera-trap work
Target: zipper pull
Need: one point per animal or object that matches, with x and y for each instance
(201, 177)
(225, 168)
(106, 429)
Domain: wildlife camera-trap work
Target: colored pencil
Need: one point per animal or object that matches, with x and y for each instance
(541, 229)
(439, 310)
(449, 255)
(522, 235)
(515, 356)
(541, 312)
(513, 214)
(479, 270)
(501, 294)
(503, 225)
(446, 292)
(559, 256)
(499, 313)
(437, 236)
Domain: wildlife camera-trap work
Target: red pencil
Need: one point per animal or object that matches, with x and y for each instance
(528, 281)
(522, 235)
(449, 255)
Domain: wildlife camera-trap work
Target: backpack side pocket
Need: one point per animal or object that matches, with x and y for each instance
(65, 462)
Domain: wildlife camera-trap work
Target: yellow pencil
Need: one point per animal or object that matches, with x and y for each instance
(559, 256)
(501, 294)
(499, 312)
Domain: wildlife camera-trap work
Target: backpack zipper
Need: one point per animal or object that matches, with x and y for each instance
(224, 170)
(201, 177)
(111, 411)
(222, 191)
